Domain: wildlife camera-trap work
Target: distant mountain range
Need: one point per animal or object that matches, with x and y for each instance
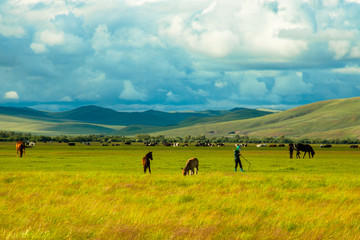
(94, 119)
(332, 119)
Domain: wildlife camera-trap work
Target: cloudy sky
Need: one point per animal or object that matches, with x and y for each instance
(178, 54)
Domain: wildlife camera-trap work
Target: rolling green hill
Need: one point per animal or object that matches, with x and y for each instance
(330, 119)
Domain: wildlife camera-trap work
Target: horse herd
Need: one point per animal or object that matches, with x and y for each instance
(193, 163)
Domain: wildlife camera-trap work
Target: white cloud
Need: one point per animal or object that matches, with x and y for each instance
(355, 52)
(46, 38)
(11, 95)
(291, 84)
(252, 88)
(199, 92)
(239, 28)
(353, 1)
(339, 48)
(101, 39)
(38, 47)
(10, 29)
(50, 38)
(171, 97)
(130, 93)
(330, 3)
(141, 2)
(348, 70)
(220, 84)
(66, 99)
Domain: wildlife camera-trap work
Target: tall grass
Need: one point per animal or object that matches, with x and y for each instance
(105, 195)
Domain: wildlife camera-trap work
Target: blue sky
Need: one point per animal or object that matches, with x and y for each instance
(180, 55)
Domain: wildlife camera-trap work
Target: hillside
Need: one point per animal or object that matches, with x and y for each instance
(330, 119)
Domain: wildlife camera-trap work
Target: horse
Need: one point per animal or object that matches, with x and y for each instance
(146, 161)
(20, 147)
(306, 148)
(190, 165)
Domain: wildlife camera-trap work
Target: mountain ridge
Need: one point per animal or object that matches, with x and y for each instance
(330, 119)
(95, 119)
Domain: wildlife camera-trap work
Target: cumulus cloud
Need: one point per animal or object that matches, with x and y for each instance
(292, 84)
(131, 93)
(353, 1)
(220, 84)
(348, 70)
(11, 29)
(339, 48)
(252, 89)
(66, 99)
(38, 47)
(11, 95)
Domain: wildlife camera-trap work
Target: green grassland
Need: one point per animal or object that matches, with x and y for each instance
(92, 192)
(51, 127)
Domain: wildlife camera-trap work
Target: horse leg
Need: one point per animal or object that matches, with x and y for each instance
(149, 168)
(145, 167)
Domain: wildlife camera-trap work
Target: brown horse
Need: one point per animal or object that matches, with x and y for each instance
(190, 166)
(146, 161)
(20, 147)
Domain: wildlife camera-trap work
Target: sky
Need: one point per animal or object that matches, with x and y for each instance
(178, 55)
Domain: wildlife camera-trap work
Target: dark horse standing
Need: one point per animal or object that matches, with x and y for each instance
(306, 148)
(146, 161)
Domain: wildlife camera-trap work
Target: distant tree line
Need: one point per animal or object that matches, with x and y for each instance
(6, 136)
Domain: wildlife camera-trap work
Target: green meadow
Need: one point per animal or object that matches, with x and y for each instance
(93, 192)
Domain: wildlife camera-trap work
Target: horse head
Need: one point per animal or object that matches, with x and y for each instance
(149, 155)
(312, 152)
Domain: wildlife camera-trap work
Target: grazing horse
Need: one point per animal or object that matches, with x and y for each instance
(190, 166)
(146, 161)
(306, 148)
(20, 147)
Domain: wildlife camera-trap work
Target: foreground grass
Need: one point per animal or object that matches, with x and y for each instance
(94, 198)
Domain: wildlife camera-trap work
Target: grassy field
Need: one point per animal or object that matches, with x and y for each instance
(93, 192)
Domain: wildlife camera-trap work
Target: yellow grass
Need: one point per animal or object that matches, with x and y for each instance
(277, 198)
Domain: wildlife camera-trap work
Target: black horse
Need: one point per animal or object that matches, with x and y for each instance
(306, 148)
